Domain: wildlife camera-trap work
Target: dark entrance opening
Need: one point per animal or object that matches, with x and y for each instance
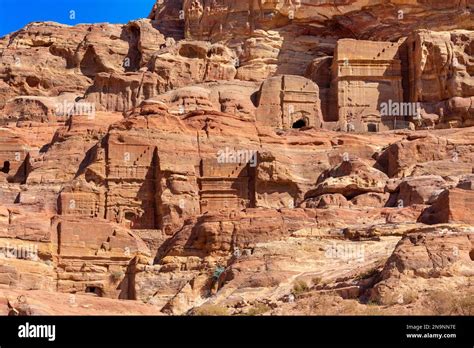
(130, 216)
(299, 124)
(94, 290)
(372, 127)
(6, 167)
(471, 254)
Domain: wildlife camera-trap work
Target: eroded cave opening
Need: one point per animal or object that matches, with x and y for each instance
(134, 55)
(6, 167)
(372, 127)
(94, 290)
(299, 124)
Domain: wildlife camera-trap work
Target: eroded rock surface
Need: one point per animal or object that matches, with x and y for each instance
(240, 157)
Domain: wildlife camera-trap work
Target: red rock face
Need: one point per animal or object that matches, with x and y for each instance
(273, 142)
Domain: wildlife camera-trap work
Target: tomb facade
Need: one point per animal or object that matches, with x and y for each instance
(131, 172)
(289, 101)
(79, 203)
(226, 186)
(366, 75)
(99, 259)
(14, 157)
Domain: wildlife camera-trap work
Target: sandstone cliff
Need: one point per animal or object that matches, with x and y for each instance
(241, 157)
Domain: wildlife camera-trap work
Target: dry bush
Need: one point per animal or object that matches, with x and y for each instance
(300, 287)
(210, 310)
(321, 304)
(447, 303)
(258, 309)
(466, 304)
(373, 310)
(367, 273)
(348, 307)
(410, 296)
(402, 298)
(116, 276)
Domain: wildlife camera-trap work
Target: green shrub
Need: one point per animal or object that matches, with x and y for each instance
(300, 287)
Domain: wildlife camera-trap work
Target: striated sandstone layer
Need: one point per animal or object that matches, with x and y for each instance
(240, 157)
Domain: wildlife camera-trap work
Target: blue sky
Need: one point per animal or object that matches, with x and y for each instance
(15, 14)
